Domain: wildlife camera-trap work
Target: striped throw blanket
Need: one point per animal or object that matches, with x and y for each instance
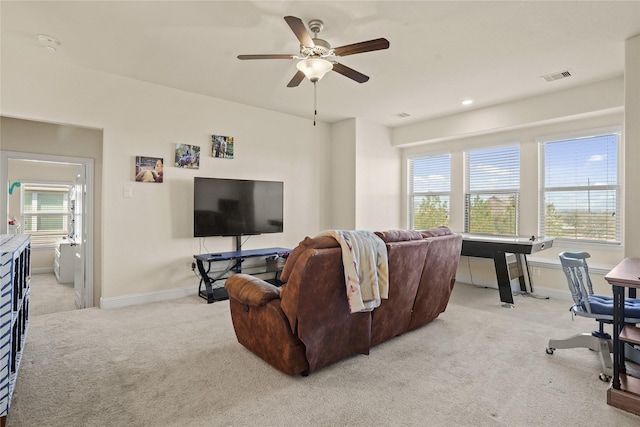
(366, 270)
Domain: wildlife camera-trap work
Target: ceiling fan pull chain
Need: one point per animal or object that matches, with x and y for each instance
(315, 109)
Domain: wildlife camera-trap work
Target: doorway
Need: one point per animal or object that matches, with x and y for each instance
(81, 236)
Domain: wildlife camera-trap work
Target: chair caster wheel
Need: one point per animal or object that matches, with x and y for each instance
(604, 378)
(549, 350)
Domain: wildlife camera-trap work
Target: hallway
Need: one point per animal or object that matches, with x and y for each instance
(48, 296)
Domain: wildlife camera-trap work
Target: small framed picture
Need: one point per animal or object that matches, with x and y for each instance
(149, 169)
(222, 146)
(187, 156)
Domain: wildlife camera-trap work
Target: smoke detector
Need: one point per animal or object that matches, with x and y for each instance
(49, 42)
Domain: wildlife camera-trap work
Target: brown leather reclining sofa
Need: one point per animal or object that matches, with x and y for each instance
(305, 324)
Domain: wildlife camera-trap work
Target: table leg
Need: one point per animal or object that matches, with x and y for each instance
(523, 265)
(523, 268)
(207, 280)
(502, 274)
(618, 345)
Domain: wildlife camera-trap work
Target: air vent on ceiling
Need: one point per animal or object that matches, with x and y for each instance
(558, 76)
(401, 115)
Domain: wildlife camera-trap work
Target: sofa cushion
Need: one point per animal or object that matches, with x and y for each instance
(438, 278)
(250, 290)
(436, 231)
(320, 242)
(314, 301)
(399, 235)
(393, 316)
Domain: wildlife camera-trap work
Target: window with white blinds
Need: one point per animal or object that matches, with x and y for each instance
(429, 191)
(580, 191)
(45, 212)
(492, 190)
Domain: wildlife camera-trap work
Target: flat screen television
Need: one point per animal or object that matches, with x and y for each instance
(236, 207)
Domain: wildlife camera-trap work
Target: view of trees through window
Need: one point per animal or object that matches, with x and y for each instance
(579, 189)
(429, 192)
(493, 214)
(430, 211)
(492, 190)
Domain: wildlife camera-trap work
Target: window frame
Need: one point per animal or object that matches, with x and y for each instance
(411, 194)
(46, 239)
(469, 195)
(619, 211)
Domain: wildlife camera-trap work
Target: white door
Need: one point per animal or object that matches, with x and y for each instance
(78, 210)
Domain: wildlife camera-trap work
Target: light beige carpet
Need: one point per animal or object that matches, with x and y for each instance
(177, 363)
(48, 296)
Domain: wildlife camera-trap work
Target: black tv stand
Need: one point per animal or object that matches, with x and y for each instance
(212, 294)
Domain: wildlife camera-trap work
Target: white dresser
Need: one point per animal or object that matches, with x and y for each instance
(64, 261)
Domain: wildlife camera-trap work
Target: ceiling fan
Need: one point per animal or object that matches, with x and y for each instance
(316, 55)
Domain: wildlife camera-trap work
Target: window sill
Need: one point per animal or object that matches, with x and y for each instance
(587, 246)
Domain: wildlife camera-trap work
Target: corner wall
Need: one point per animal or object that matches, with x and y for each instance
(365, 178)
(632, 145)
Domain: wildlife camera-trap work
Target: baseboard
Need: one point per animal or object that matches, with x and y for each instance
(515, 287)
(553, 293)
(144, 298)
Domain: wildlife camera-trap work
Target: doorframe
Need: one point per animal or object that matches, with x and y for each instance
(5, 156)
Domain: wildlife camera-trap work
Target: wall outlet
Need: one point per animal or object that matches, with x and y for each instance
(535, 271)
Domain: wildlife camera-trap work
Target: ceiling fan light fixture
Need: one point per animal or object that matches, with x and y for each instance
(314, 68)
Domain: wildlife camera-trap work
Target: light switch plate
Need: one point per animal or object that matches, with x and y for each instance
(127, 192)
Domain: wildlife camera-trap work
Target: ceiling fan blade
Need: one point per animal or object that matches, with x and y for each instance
(349, 72)
(295, 81)
(298, 28)
(368, 46)
(268, 56)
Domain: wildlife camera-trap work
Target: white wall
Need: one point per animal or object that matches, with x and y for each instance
(365, 177)
(147, 243)
(601, 97)
(342, 163)
(378, 178)
(632, 144)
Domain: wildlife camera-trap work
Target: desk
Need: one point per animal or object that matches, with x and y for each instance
(624, 392)
(220, 294)
(496, 248)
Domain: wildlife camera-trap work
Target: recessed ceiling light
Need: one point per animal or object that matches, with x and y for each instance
(467, 102)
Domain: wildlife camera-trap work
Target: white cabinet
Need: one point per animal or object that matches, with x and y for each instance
(64, 261)
(15, 276)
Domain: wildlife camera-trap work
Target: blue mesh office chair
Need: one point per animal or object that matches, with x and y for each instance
(599, 307)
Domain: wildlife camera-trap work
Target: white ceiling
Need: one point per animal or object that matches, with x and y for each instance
(440, 52)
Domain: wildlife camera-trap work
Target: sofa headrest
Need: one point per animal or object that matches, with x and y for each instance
(436, 231)
(320, 242)
(399, 235)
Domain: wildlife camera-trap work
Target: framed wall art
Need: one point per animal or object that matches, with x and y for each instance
(222, 146)
(149, 169)
(187, 156)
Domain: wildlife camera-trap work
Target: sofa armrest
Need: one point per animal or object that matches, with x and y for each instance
(251, 291)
